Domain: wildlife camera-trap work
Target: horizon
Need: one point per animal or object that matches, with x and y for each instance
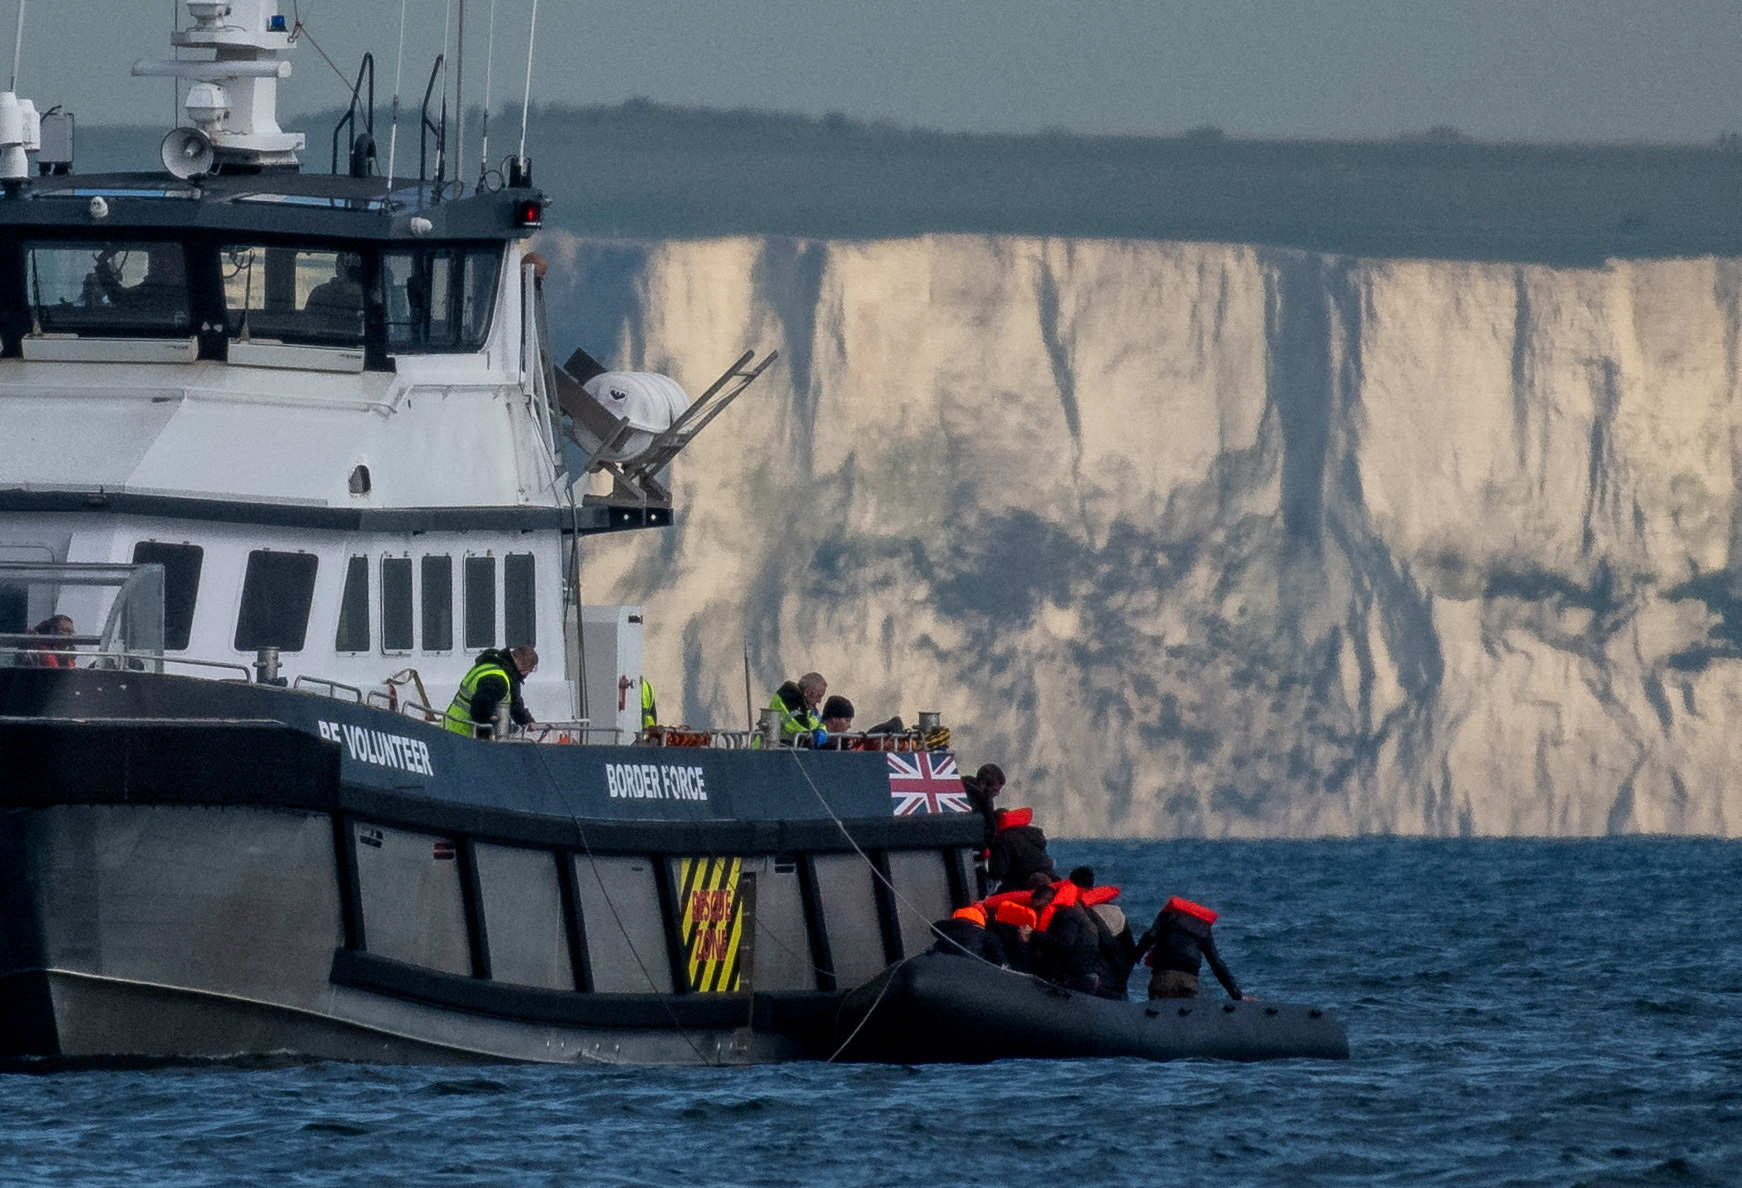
(1444, 135)
(1357, 70)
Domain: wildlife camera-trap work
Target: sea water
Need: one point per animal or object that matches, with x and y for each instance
(1519, 1012)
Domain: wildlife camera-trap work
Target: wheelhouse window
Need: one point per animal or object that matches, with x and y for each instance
(519, 603)
(480, 602)
(181, 586)
(353, 633)
(396, 604)
(114, 288)
(293, 295)
(438, 604)
(276, 593)
(439, 299)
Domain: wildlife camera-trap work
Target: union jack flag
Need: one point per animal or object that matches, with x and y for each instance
(926, 782)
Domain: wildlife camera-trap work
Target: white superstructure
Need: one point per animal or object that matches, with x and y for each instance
(321, 403)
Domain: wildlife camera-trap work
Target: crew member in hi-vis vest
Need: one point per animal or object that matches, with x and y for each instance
(718, 915)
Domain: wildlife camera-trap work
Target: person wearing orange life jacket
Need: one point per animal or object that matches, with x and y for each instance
(1177, 944)
(1064, 949)
(1012, 924)
(1018, 850)
(1118, 947)
(965, 934)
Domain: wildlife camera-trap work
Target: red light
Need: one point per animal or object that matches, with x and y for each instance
(529, 213)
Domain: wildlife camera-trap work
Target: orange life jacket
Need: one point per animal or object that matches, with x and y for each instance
(973, 913)
(1010, 912)
(1091, 896)
(1003, 897)
(1011, 818)
(1176, 904)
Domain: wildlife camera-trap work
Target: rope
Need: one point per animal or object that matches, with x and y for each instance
(298, 29)
(888, 981)
(617, 917)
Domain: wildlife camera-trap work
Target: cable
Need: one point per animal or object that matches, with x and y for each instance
(297, 28)
(888, 980)
(593, 865)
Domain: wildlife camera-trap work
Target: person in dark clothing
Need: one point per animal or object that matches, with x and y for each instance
(1118, 946)
(1012, 925)
(965, 934)
(1066, 951)
(1018, 850)
(983, 788)
(1177, 944)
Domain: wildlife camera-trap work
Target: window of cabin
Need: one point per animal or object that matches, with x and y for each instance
(277, 591)
(284, 294)
(438, 604)
(14, 610)
(439, 298)
(519, 610)
(181, 586)
(480, 602)
(353, 633)
(396, 604)
(130, 288)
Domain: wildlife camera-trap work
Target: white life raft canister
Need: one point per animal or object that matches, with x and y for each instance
(651, 403)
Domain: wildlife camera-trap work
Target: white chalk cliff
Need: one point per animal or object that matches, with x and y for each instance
(1212, 540)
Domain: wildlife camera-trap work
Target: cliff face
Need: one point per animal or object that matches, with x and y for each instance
(1208, 539)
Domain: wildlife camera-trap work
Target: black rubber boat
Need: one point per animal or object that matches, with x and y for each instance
(935, 1009)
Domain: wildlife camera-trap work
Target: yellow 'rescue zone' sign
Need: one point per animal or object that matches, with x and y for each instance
(712, 923)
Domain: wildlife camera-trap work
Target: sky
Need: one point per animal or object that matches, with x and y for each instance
(1587, 70)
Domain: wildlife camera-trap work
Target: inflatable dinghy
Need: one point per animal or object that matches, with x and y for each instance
(938, 1009)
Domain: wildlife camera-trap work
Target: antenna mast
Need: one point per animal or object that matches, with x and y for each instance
(489, 70)
(460, 95)
(393, 127)
(526, 95)
(17, 48)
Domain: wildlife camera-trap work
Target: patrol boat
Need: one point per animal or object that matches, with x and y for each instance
(282, 454)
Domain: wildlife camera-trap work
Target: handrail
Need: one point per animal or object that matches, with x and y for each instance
(349, 120)
(124, 657)
(429, 126)
(304, 679)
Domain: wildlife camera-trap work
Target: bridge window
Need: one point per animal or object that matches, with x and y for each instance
(396, 604)
(519, 602)
(480, 602)
(181, 586)
(353, 634)
(282, 294)
(108, 287)
(438, 604)
(439, 299)
(276, 592)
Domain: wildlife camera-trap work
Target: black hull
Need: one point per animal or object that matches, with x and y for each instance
(192, 870)
(939, 1009)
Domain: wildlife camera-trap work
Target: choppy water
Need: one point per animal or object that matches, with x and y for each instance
(1520, 1013)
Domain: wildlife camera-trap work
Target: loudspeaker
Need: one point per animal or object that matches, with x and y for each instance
(187, 152)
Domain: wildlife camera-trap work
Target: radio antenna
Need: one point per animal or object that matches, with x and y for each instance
(393, 129)
(17, 48)
(526, 95)
(489, 69)
(447, 45)
(460, 96)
